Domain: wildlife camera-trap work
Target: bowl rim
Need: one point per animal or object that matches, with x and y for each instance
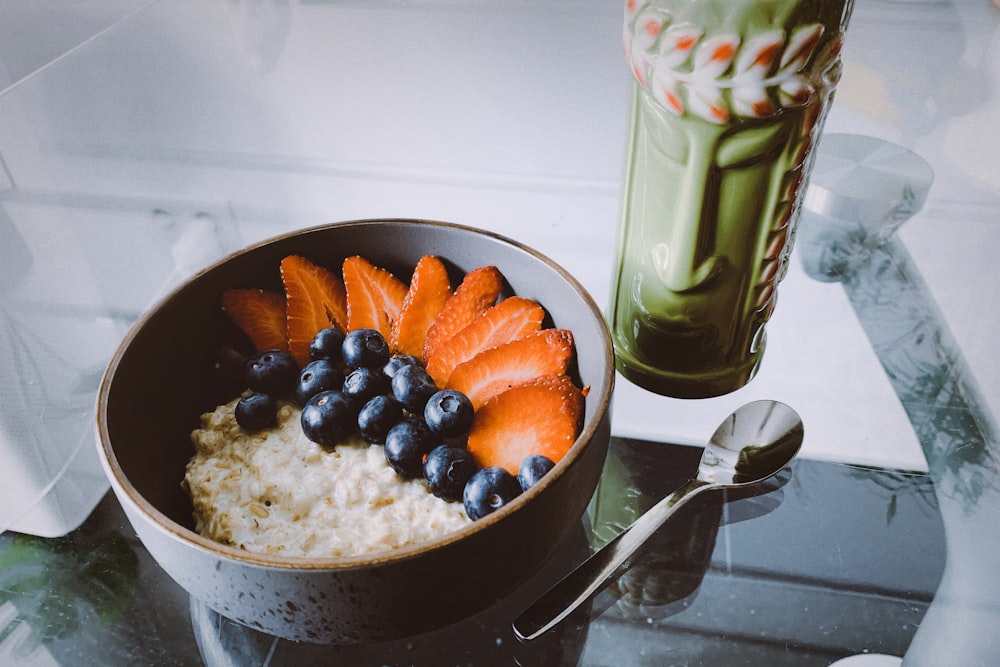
(124, 488)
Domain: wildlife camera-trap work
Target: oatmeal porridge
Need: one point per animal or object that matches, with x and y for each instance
(276, 492)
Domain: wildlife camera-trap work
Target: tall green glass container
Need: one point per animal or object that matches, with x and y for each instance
(728, 99)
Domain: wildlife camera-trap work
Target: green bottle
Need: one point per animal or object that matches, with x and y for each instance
(727, 103)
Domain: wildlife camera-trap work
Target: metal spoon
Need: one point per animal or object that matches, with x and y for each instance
(754, 443)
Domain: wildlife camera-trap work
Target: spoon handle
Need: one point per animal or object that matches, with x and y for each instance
(594, 573)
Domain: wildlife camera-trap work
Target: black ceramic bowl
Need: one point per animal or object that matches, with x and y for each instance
(155, 389)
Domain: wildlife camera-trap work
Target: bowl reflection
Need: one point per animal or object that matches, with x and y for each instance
(485, 639)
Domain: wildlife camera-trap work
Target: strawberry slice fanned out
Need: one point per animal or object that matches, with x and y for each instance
(543, 416)
(479, 289)
(374, 296)
(429, 289)
(493, 371)
(259, 314)
(315, 299)
(507, 321)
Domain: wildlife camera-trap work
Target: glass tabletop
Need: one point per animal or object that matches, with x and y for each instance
(827, 560)
(142, 140)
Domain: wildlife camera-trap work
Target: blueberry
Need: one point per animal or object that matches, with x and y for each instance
(317, 376)
(406, 444)
(328, 418)
(255, 412)
(488, 490)
(365, 348)
(447, 469)
(449, 413)
(532, 469)
(362, 384)
(273, 372)
(412, 386)
(397, 361)
(327, 344)
(377, 416)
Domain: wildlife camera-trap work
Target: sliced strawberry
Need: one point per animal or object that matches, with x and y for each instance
(259, 313)
(429, 290)
(316, 299)
(374, 296)
(543, 416)
(479, 290)
(547, 352)
(509, 320)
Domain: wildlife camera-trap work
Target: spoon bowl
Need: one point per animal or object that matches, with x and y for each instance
(754, 443)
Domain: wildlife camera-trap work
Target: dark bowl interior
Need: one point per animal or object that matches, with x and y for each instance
(158, 385)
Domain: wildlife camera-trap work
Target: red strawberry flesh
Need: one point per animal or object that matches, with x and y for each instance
(507, 321)
(479, 289)
(429, 289)
(374, 296)
(259, 314)
(316, 299)
(542, 417)
(547, 352)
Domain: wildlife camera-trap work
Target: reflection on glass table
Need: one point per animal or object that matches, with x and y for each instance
(751, 446)
(781, 576)
(954, 424)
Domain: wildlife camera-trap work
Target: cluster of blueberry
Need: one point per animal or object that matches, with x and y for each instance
(354, 382)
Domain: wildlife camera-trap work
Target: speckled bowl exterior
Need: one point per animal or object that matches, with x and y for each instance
(156, 387)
